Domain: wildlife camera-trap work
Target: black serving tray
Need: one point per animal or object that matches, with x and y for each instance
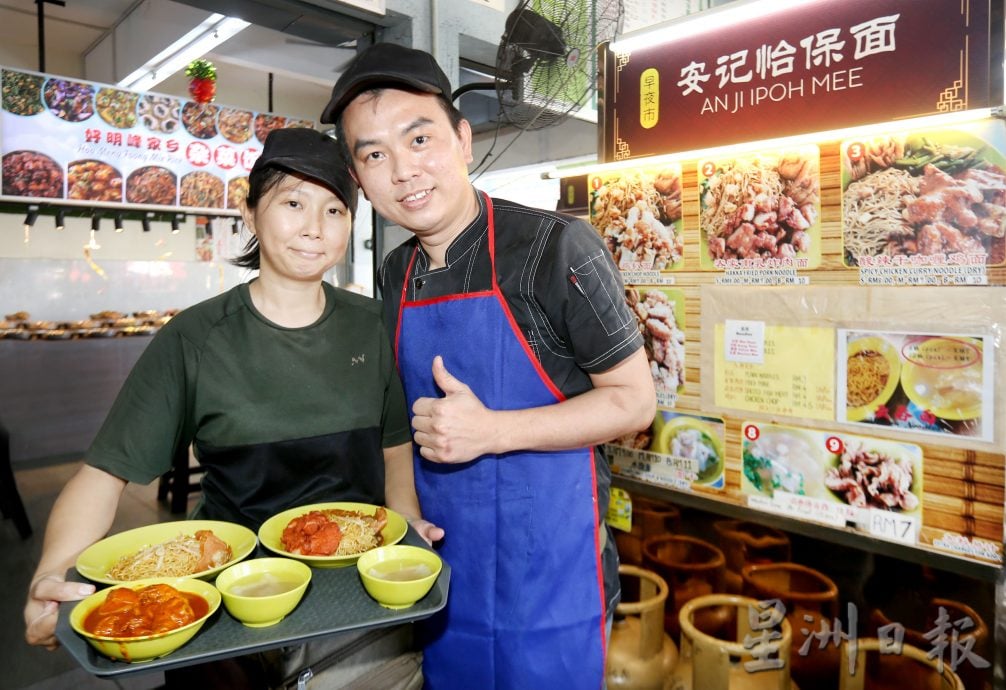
(335, 602)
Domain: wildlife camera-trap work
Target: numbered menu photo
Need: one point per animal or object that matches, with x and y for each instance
(922, 382)
(761, 210)
(638, 214)
(841, 479)
(683, 451)
(933, 198)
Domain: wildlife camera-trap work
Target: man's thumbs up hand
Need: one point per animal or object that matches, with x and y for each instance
(452, 428)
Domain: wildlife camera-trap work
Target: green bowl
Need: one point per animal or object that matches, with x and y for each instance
(399, 575)
(262, 591)
(147, 648)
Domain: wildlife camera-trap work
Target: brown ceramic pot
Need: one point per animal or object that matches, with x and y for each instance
(692, 568)
(640, 654)
(811, 601)
(976, 637)
(734, 659)
(909, 669)
(745, 542)
(649, 518)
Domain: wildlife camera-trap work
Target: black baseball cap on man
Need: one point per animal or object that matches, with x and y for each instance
(386, 64)
(312, 154)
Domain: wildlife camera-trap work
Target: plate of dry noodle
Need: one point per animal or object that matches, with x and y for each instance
(331, 535)
(184, 548)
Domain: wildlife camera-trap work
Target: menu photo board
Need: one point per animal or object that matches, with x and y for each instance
(840, 479)
(761, 211)
(932, 383)
(638, 214)
(80, 141)
(683, 451)
(925, 207)
(660, 318)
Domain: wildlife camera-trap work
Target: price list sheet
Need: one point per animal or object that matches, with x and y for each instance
(777, 370)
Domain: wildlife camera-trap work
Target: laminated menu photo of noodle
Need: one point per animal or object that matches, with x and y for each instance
(638, 214)
(657, 315)
(929, 195)
(179, 557)
(761, 209)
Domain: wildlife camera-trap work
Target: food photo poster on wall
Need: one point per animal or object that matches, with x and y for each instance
(638, 213)
(923, 382)
(682, 451)
(80, 141)
(925, 206)
(836, 478)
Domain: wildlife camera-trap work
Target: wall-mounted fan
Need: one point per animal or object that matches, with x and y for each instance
(546, 64)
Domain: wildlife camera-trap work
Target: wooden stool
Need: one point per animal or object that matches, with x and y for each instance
(10, 499)
(177, 483)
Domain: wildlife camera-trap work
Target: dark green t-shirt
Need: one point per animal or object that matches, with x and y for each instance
(278, 416)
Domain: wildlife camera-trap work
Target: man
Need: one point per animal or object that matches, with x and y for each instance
(518, 356)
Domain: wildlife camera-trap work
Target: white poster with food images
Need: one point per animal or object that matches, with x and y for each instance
(89, 142)
(921, 207)
(920, 382)
(637, 211)
(761, 211)
(875, 485)
(660, 318)
(679, 450)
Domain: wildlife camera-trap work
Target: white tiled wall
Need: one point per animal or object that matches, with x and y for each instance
(62, 289)
(54, 276)
(59, 276)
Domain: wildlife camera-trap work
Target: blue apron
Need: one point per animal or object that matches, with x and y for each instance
(526, 604)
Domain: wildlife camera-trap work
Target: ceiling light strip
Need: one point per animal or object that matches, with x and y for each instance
(202, 39)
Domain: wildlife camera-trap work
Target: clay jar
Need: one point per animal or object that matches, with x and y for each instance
(692, 568)
(649, 518)
(640, 654)
(811, 601)
(908, 668)
(753, 654)
(745, 542)
(974, 678)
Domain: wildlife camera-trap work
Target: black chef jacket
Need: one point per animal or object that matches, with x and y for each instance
(561, 285)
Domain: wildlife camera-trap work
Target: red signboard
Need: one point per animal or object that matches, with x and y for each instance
(819, 65)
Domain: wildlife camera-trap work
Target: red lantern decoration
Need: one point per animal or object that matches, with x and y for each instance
(202, 80)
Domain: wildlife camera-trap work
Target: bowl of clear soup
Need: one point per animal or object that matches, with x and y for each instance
(399, 575)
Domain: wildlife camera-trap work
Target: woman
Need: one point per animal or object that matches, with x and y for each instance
(285, 386)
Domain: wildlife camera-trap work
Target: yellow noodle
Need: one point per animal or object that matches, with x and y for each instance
(174, 558)
(872, 211)
(358, 533)
(867, 374)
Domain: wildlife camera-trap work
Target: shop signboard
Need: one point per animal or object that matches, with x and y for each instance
(88, 143)
(792, 68)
